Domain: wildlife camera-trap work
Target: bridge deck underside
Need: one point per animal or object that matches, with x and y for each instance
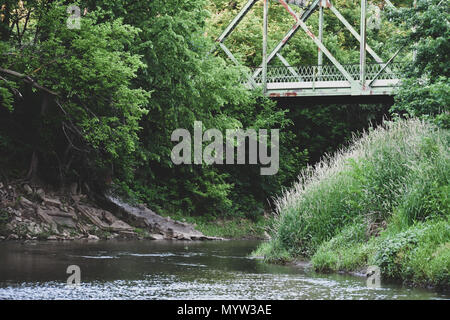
(329, 88)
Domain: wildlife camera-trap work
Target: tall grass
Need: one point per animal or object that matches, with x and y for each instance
(391, 177)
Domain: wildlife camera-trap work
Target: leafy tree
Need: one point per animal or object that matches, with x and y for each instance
(426, 85)
(74, 104)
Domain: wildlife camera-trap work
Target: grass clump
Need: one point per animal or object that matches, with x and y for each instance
(229, 228)
(389, 189)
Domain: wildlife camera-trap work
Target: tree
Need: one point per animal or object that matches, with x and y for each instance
(81, 81)
(426, 84)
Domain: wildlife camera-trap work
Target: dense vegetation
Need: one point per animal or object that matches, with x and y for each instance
(384, 200)
(97, 105)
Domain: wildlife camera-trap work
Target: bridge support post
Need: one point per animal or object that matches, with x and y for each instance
(264, 54)
(319, 52)
(362, 51)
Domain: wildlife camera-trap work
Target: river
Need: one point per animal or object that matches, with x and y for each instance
(172, 270)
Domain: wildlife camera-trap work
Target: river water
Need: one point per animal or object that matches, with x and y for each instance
(172, 270)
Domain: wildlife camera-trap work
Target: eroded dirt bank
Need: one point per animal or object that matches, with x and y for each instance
(32, 212)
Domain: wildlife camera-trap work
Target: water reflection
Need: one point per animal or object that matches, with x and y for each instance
(172, 270)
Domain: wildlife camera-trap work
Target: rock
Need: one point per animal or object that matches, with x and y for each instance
(156, 236)
(2, 238)
(52, 202)
(109, 217)
(24, 202)
(28, 189)
(127, 234)
(1, 185)
(154, 223)
(13, 237)
(267, 236)
(183, 237)
(120, 225)
(52, 238)
(112, 236)
(40, 193)
(64, 221)
(92, 237)
(66, 234)
(46, 218)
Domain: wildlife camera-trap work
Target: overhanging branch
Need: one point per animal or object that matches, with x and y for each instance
(28, 80)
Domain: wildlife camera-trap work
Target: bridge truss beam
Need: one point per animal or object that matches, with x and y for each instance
(351, 86)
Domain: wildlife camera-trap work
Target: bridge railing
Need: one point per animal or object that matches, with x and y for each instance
(315, 73)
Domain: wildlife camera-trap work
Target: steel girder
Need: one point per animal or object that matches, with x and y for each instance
(357, 86)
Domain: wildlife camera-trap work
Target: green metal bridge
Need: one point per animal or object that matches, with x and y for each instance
(362, 79)
(327, 80)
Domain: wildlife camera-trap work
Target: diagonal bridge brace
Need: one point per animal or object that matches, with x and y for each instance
(355, 84)
(300, 23)
(305, 15)
(220, 40)
(275, 53)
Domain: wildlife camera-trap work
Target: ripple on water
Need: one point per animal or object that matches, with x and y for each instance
(149, 270)
(236, 286)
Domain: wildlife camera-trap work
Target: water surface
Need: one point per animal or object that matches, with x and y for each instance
(172, 270)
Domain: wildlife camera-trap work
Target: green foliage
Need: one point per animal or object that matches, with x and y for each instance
(6, 96)
(274, 252)
(346, 251)
(396, 176)
(91, 70)
(136, 71)
(420, 254)
(424, 91)
(245, 41)
(190, 85)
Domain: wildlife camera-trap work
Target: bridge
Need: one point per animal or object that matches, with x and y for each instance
(333, 79)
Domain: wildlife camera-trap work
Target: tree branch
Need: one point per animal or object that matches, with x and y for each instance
(28, 80)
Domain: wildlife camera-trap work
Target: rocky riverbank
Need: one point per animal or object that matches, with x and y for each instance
(32, 212)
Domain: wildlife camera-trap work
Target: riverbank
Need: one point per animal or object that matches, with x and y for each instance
(236, 228)
(36, 212)
(384, 202)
